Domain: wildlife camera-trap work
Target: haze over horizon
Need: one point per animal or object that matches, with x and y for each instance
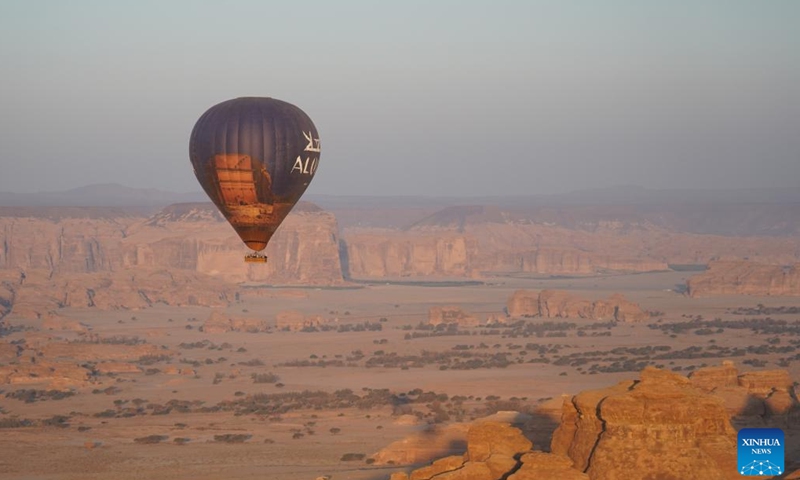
(450, 99)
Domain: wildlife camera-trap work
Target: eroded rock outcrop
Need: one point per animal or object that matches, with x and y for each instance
(659, 427)
(116, 367)
(464, 252)
(304, 250)
(184, 255)
(393, 253)
(96, 352)
(496, 451)
(712, 378)
(561, 304)
(57, 375)
(121, 290)
(540, 466)
(745, 278)
(662, 426)
(218, 322)
(294, 321)
(764, 392)
(425, 446)
(451, 314)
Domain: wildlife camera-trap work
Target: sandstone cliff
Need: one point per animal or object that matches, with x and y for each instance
(560, 304)
(192, 237)
(764, 392)
(467, 240)
(745, 278)
(184, 255)
(659, 427)
(451, 314)
(304, 250)
(393, 253)
(496, 451)
(39, 294)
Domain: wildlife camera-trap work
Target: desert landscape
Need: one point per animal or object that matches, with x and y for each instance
(506, 240)
(471, 342)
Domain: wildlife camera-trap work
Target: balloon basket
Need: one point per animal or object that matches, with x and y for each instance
(255, 258)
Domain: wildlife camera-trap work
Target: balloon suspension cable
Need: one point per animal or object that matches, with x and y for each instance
(255, 257)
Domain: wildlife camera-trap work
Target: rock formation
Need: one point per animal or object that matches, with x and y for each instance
(461, 240)
(765, 392)
(454, 242)
(540, 465)
(659, 427)
(451, 314)
(425, 446)
(624, 309)
(294, 321)
(116, 367)
(56, 375)
(712, 378)
(96, 352)
(745, 278)
(304, 250)
(392, 253)
(496, 451)
(662, 426)
(218, 322)
(141, 288)
(184, 255)
(561, 304)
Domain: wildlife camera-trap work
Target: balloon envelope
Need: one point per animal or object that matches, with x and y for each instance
(254, 157)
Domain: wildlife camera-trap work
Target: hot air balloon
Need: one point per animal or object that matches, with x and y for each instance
(254, 157)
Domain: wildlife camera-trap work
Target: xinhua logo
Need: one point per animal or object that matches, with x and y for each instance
(760, 451)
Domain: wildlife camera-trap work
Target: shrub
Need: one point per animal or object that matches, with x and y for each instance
(232, 438)
(264, 377)
(150, 439)
(14, 422)
(33, 395)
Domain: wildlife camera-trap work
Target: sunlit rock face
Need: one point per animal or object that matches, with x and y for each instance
(746, 278)
(194, 236)
(561, 304)
(185, 254)
(659, 427)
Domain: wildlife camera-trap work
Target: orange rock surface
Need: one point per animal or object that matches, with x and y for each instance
(560, 304)
(496, 451)
(659, 427)
(218, 322)
(745, 278)
(451, 314)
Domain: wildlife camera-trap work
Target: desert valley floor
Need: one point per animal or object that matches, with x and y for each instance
(168, 399)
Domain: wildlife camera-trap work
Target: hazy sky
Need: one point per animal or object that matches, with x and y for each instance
(411, 97)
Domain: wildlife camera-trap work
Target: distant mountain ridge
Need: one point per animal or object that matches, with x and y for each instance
(729, 219)
(733, 212)
(100, 195)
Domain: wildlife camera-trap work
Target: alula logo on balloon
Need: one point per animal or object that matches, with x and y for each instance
(254, 157)
(313, 146)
